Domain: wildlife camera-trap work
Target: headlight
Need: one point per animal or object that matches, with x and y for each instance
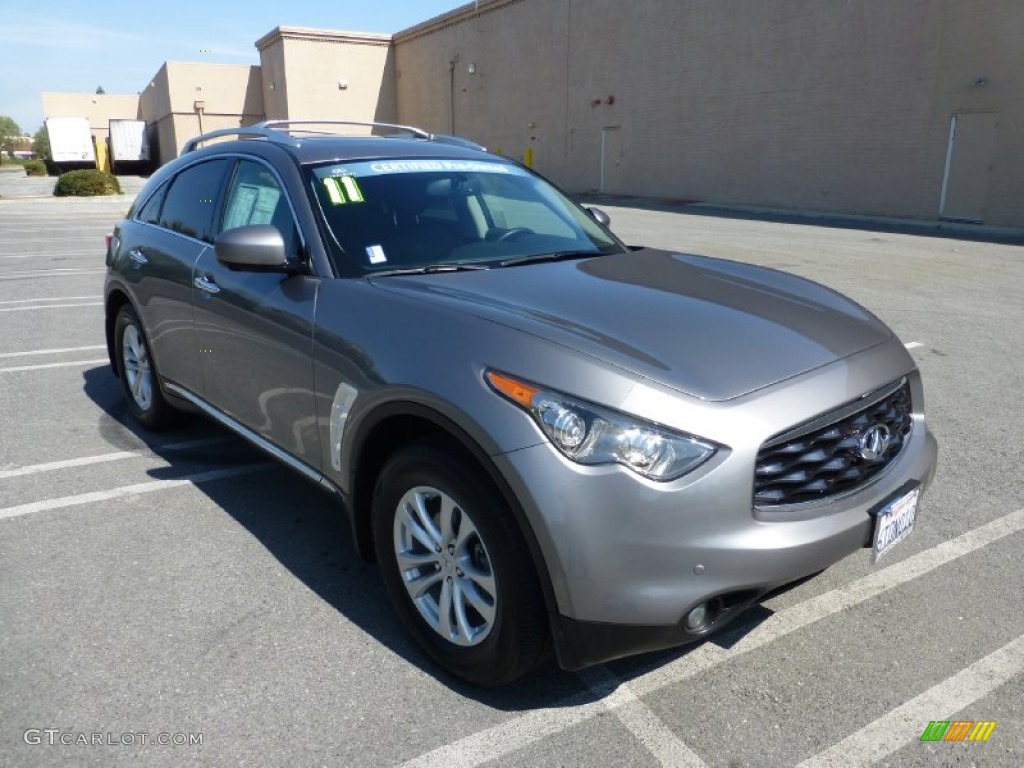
(589, 434)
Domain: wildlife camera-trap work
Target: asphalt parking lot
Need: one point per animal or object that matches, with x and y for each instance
(178, 587)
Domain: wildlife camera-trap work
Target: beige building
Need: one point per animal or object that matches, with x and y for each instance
(327, 75)
(910, 109)
(186, 98)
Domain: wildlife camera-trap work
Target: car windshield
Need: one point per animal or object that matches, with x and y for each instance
(390, 215)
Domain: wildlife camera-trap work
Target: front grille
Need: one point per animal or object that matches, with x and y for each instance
(836, 453)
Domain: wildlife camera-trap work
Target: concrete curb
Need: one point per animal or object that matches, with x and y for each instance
(926, 227)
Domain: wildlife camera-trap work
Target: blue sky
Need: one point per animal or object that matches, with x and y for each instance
(70, 45)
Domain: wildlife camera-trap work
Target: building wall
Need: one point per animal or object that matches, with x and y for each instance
(831, 105)
(328, 75)
(186, 95)
(98, 108)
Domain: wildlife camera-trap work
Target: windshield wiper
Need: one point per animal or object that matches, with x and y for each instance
(428, 269)
(541, 257)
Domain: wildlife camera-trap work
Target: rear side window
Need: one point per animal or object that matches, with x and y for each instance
(150, 212)
(192, 199)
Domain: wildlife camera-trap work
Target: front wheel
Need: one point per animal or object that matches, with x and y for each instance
(137, 372)
(456, 566)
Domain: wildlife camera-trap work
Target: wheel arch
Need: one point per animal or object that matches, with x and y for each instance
(116, 298)
(396, 424)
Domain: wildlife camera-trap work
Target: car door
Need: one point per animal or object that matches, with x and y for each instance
(170, 232)
(255, 329)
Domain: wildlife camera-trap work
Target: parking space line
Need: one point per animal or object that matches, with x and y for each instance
(102, 458)
(52, 306)
(69, 364)
(48, 254)
(913, 345)
(48, 306)
(34, 273)
(526, 729)
(129, 490)
(21, 240)
(55, 298)
(642, 721)
(58, 351)
(907, 722)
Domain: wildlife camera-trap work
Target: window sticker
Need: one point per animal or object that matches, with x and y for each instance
(376, 254)
(352, 188)
(343, 189)
(252, 204)
(334, 191)
(412, 166)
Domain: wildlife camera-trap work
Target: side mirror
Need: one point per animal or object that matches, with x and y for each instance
(255, 247)
(600, 216)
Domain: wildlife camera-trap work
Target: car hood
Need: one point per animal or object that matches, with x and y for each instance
(711, 328)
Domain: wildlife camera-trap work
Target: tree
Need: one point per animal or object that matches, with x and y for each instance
(99, 89)
(41, 145)
(10, 133)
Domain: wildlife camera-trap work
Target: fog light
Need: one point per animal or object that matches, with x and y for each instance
(697, 618)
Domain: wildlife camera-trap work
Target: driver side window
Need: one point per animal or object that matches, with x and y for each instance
(256, 197)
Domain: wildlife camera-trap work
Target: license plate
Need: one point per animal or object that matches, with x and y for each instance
(894, 522)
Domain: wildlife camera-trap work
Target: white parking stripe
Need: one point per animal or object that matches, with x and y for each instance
(52, 306)
(20, 241)
(533, 726)
(64, 272)
(83, 461)
(59, 351)
(55, 298)
(907, 722)
(913, 345)
(48, 254)
(54, 271)
(70, 364)
(642, 721)
(128, 490)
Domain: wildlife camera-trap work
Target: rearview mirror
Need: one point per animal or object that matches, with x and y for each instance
(600, 216)
(257, 247)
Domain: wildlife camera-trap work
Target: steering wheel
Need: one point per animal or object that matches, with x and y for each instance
(513, 233)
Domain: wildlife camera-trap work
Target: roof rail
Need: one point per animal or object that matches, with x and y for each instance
(251, 132)
(419, 133)
(280, 132)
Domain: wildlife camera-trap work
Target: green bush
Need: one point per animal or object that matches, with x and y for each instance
(86, 183)
(35, 168)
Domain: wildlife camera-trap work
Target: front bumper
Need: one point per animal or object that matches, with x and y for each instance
(629, 558)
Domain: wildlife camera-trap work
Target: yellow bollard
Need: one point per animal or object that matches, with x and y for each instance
(528, 157)
(102, 161)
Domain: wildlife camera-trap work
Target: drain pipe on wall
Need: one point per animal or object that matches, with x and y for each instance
(451, 78)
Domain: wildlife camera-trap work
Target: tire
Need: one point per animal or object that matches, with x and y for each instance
(476, 571)
(137, 371)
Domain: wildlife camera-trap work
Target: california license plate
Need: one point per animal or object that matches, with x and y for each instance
(894, 521)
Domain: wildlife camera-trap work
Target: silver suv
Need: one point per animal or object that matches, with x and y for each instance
(549, 441)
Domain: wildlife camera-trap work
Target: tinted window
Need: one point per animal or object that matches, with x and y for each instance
(401, 213)
(256, 197)
(192, 198)
(150, 212)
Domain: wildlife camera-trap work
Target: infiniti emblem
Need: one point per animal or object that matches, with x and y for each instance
(873, 442)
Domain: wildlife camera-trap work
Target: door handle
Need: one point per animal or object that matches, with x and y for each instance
(137, 256)
(206, 284)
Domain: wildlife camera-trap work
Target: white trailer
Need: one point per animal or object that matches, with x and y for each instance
(128, 143)
(71, 140)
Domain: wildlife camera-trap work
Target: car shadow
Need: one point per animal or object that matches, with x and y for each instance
(304, 529)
